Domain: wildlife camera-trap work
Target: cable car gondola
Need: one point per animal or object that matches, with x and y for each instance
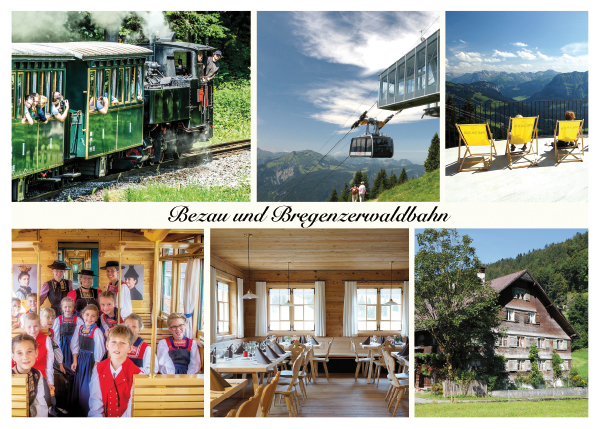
(371, 145)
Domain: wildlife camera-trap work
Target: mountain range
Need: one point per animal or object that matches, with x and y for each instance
(281, 175)
(530, 86)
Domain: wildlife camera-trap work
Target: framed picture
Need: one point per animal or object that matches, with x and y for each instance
(24, 280)
(133, 275)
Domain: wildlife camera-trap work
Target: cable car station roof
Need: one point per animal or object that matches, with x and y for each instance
(79, 50)
(413, 80)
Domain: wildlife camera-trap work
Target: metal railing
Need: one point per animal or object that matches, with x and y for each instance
(498, 114)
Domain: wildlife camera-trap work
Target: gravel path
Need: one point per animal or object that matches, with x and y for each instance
(232, 170)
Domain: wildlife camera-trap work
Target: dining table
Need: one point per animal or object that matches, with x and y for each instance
(216, 397)
(313, 367)
(241, 365)
(370, 348)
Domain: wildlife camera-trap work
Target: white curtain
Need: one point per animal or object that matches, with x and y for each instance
(405, 319)
(190, 292)
(261, 309)
(240, 308)
(213, 305)
(320, 314)
(350, 310)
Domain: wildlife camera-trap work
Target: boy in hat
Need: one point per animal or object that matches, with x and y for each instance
(114, 282)
(131, 278)
(23, 279)
(24, 354)
(111, 385)
(57, 288)
(85, 295)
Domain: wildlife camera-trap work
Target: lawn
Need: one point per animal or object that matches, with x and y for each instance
(424, 188)
(155, 192)
(566, 408)
(231, 112)
(580, 361)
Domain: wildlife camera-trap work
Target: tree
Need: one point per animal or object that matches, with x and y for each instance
(578, 316)
(412, 177)
(403, 176)
(358, 177)
(432, 162)
(345, 196)
(468, 113)
(365, 178)
(392, 180)
(334, 197)
(451, 302)
(535, 377)
(380, 184)
(556, 366)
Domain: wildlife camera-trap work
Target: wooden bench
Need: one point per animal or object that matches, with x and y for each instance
(168, 396)
(20, 398)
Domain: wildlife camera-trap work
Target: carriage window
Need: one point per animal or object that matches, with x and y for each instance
(42, 92)
(60, 82)
(368, 142)
(391, 86)
(421, 69)
(200, 295)
(432, 64)
(167, 277)
(92, 91)
(132, 84)
(126, 93)
(400, 80)
(140, 96)
(12, 94)
(54, 81)
(19, 95)
(27, 83)
(48, 85)
(34, 87)
(106, 84)
(223, 325)
(410, 76)
(382, 89)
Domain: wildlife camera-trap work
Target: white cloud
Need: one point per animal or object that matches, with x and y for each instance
(491, 60)
(503, 54)
(526, 65)
(527, 55)
(575, 49)
(544, 57)
(461, 41)
(369, 40)
(519, 44)
(469, 56)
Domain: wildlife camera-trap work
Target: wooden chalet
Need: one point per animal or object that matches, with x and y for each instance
(339, 282)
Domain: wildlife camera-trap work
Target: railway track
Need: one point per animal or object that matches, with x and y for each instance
(192, 158)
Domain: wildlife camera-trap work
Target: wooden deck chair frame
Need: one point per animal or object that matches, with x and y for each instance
(570, 150)
(522, 153)
(486, 161)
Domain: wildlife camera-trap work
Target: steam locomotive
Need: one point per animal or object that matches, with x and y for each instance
(160, 104)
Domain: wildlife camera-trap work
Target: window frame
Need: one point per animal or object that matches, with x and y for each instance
(226, 304)
(292, 330)
(379, 331)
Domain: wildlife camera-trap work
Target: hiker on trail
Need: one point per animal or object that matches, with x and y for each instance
(354, 192)
(362, 191)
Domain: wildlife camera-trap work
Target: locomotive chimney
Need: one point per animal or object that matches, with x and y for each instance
(111, 36)
(481, 273)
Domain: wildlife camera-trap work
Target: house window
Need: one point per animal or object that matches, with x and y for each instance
(510, 315)
(540, 343)
(503, 342)
(522, 294)
(512, 341)
(299, 317)
(373, 314)
(520, 341)
(531, 318)
(223, 325)
(548, 365)
(522, 365)
(542, 365)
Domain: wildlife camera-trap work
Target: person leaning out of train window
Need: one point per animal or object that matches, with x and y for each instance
(57, 109)
(101, 105)
(41, 105)
(212, 64)
(29, 105)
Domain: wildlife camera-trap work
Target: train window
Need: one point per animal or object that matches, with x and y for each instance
(13, 81)
(167, 278)
(106, 84)
(47, 83)
(60, 82)
(120, 86)
(92, 91)
(421, 69)
(34, 82)
(400, 80)
(181, 282)
(432, 63)
(223, 325)
(410, 76)
(140, 95)
(200, 295)
(113, 86)
(126, 93)
(19, 95)
(26, 82)
(41, 90)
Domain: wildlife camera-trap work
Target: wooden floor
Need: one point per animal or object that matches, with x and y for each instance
(340, 397)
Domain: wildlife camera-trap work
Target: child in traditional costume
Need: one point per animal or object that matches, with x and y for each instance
(108, 319)
(32, 304)
(140, 350)
(24, 354)
(63, 376)
(64, 327)
(15, 313)
(88, 349)
(45, 357)
(115, 283)
(111, 386)
(178, 354)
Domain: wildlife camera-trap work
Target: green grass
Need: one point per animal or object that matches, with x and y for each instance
(521, 97)
(580, 361)
(231, 114)
(156, 192)
(567, 408)
(485, 398)
(424, 188)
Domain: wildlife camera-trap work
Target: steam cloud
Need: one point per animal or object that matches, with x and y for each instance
(49, 26)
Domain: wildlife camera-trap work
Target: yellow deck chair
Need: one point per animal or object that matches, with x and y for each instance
(569, 131)
(522, 132)
(475, 135)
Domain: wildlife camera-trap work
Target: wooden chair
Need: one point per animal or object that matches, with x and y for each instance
(268, 395)
(521, 132)
(569, 131)
(251, 406)
(20, 397)
(475, 135)
(379, 363)
(324, 360)
(297, 349)
(398, 387)
(168, 396)
(360, 361)
(290, 393)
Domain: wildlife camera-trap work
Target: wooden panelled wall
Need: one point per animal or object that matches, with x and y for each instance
(334, 288)
(107, 240)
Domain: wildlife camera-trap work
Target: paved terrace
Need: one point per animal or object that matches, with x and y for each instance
(546, 182)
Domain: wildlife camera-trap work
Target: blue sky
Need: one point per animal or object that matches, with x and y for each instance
(492, 245)
(316, 68)
(516, 41)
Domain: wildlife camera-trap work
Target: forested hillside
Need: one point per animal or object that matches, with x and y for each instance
(562, 270)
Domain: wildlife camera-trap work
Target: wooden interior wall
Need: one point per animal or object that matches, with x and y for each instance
(228, 273)
(108, 241)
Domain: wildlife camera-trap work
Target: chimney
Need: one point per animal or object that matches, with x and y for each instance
(481, 273)
(111, 36)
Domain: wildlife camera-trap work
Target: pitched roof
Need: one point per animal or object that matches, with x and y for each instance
(503, 282)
